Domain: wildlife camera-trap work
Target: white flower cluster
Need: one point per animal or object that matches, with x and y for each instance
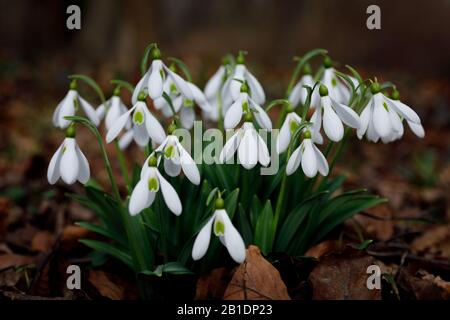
(236, 96)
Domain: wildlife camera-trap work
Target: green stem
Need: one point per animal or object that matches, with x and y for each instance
(282, 195)
(122, 164)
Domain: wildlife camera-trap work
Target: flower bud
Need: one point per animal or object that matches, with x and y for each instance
(323, 90)
(327, 62)
(142, 96)
(244, 87)
(307, 135)
(70, 131)
(116, 91)
(219, 204)
(375, 88)
(172, 128)
(152, 161)
(73, 85)
(156, 53)
(395, 95)
(307, 69)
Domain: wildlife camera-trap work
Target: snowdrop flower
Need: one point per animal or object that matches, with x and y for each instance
(145, 191)
(244, 104)
(224, 229)
(250, 147)
(113, 109)
(333, 114)
(299, 93)
(213, 89)
(68, 107)
(338, 90)
(145, 125)
(290, 125)
(68, 162)
(232, 87)
(382, 117)
(310, 157)
(153, 79)
(184, 106)
(176, 159)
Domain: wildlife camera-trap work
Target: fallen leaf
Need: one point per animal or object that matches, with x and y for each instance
(5, 207)
(435, 241)
(15, 260)
(105, 286)
(379, 229)
(256, 279)
(420, 286)
(9, 277)
(343, 277)
(213, 285)
(321, 249)
(42, 241)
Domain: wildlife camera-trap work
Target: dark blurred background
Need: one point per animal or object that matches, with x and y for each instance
(37, 52)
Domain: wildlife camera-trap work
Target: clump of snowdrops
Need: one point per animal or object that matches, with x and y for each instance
(196, 201)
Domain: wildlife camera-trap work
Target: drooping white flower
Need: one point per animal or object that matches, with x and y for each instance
(250, 147)
(176, 159)
(299, 93)
(184, 106)
(68, 107)
(145, 191)
(145, 125)
(232, 86)
(290, 125)
(113, 109)
(382, 118)
(227, 233)
(333, 114)
(68, 162)
(154, 78)
(310, 157)
(244, 104)
(213, 91)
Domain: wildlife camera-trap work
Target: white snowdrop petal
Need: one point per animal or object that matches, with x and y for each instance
(212, 87)
(140, 135)
(248, 150)
(154, 128)
(332, 125)
(141, 85)
(417, 128)
(170, 196)
(235, 85)
(101, 111)
(114, 112)
(347, 115)
(84, 171)
(381, 122)
(284, 137)
(407, 112)
(230, 147)
(309, 160)
(69, 165)
(296, 94)
(232, 238)
(294, 161)
(155, 81)
(89, 111)
(261, 116)
(365, 119)
(118, 125)
(233, 115)
(316, 120)
(263, 152)
(180, 83)
(199, 97)
(171, 168)
(187, 117)
(202, 240)
(66, 109)
(125, 139)
(141, 197)
(255, 87)
(53, 172)
(188, 165)
(322, 163)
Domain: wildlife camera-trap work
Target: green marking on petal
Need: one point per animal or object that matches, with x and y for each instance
(188, 103)
(173, 88)
(64, 149)
(169, 151)
(153, 184)
(245, 106)
(293, 125)
(219, 228)
(138, 117)
(334, 82)
(385, 106)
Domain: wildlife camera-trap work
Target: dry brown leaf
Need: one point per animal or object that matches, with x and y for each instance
(256, 279)
(379, 229)
(421, 285)
(435, 241)
(42, 241)
(5, 207)
(343, 277)
(213, 285)
(9, 277)
(15, 260)
(105, 286)
(321, 249)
